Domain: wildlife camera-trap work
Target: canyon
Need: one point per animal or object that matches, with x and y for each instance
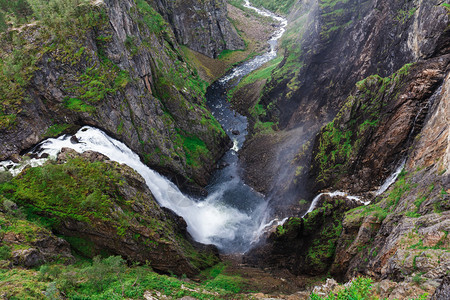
(166, 137)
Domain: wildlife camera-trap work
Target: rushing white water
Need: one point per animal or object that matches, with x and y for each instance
(391, 179)
(209, 220)
(260, 60)
(265, 227)
(16, 168)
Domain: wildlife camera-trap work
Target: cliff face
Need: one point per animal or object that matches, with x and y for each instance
(402, 233)
(115, 65)
(201, 25)
(329, 48)
(342, 42)
(376, 126)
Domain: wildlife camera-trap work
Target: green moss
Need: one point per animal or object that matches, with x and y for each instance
(264, 73)
(227, 283)
(195, 149)
(78, 105)
(56, 23)
(359, 288)
(403, 16)
(340, 141)
(70, 190)
(56, 130)
(152, 19)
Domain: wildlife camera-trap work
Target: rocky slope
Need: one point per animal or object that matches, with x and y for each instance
(100, 208)
(115, 65)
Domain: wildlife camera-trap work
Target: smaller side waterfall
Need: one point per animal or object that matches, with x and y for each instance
(391, 179)
(334, 194)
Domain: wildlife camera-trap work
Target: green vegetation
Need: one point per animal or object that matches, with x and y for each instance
(278, 6)
(334, 19)
(258, 111)
(324, 225)
(56, 22)
(360, 288)
(108, 278)
(404, 16)
(15, 12)
(195, 149)
(77, 189)
(152, 19)
(264, 73)
(385, 207)
(56, 130)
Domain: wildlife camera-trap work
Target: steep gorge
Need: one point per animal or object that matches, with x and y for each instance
(360, 88)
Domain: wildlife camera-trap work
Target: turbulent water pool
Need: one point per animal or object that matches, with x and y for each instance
(232, 214)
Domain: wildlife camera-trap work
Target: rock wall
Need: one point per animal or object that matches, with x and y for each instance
(344, 42)
(201, 25)
(370, 124)
(401, 238)
(376, 126)
(120, 70)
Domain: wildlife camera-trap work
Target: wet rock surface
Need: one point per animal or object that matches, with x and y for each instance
(304, 245)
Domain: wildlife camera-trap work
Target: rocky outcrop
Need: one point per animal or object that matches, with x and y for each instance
(346, 41)
(410, 236)
(108, 209)
(376, 126)
(201, 25)
(304, 245)
(443, 291)
(121, 71)
(29, 244)
(401, 238)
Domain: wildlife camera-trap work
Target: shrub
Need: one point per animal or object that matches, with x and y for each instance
(5, 252)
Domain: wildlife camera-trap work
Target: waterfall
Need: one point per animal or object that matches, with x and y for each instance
(334, 194)
(391, 179)
(209, 220)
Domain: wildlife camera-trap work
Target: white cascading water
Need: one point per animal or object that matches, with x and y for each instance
(206, 219)
(391, 179)
(334, 194)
